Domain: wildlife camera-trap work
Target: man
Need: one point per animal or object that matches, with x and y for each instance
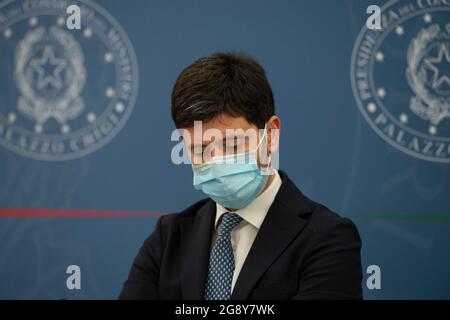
(256, 236)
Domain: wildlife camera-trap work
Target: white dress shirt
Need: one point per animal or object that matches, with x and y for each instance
(243, 235)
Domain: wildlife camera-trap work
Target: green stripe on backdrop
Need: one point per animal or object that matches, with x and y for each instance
(402, 217)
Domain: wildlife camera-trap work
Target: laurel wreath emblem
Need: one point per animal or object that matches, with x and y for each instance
(36, 106)
(425, 103)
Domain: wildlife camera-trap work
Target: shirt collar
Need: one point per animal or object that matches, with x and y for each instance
(256, 211)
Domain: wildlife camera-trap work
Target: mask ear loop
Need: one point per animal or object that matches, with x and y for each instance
(268, 167)
(262, 138)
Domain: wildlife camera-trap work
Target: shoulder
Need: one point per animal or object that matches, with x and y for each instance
(191, 211)
(167, 225)
(321, 220)
(324, 218)
(327, 225)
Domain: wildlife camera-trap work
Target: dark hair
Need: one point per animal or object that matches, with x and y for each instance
(225, 82)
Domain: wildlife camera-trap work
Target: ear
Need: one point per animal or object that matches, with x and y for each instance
(273, 126)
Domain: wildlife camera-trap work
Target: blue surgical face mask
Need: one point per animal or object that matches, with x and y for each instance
(233, 181)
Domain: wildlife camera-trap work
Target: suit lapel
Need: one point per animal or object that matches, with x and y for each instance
(196, 233)
(282, 223)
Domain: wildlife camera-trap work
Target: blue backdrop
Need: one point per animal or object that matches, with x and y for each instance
(114, 192)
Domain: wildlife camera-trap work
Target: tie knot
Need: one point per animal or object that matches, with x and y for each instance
(229, 221)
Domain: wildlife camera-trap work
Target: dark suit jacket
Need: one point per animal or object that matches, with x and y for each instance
(302, 251)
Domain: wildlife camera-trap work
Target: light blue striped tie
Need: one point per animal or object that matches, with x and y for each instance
(221, 261)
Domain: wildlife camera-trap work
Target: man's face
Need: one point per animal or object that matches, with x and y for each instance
(226, 135)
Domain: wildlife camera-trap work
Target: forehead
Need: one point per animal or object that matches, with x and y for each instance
(225, 121)
(226, 125)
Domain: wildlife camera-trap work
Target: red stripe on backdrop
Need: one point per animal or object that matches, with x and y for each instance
(72, 213)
